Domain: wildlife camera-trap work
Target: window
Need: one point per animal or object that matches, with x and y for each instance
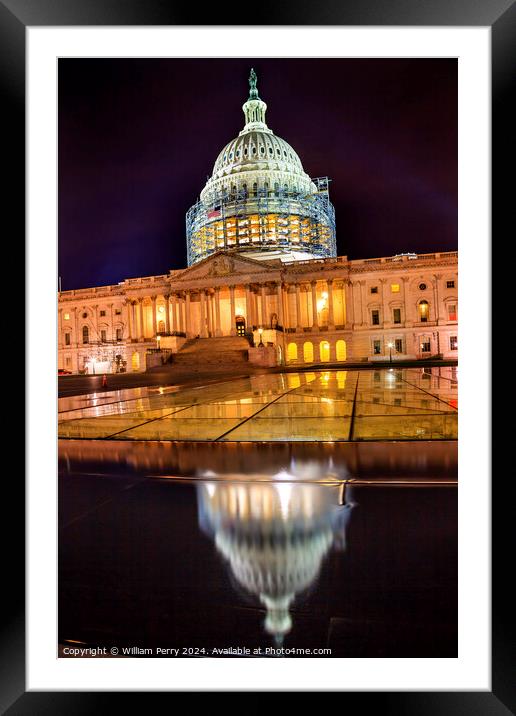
(102, 313)
(374, 289)
(85, 315)
(67, 339)
(377, 376)
(425, 345)
(397, 402)
(453, 343)
(396, 315)
(67, 316)
(119, 334)
(422, 286)
(450, 284)
(377, 347)
(398, 345)
(375, 318)
(292, 351)
(118, 311)
(452, 311)
(85, 334)
(395, 288)
(103, 336)
(423, 311)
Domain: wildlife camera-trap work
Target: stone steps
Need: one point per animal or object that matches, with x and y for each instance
(213, 352)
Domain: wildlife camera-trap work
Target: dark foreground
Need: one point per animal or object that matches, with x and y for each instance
(354, 552)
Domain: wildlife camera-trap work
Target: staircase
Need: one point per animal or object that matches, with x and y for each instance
(212, 353)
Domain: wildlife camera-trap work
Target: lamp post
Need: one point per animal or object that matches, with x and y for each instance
(390, 346)
(158, 339)
(260, 331)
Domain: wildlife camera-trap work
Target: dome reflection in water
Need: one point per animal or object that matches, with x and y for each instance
(275, 535)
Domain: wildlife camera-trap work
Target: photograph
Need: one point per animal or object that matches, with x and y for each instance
(258, 340)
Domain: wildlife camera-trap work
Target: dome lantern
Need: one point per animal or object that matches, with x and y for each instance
(254, 109)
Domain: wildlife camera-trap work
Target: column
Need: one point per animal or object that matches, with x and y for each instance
(286, 305)
(127, 306)
(385, 318)
(154, 326)
(248, 308)
(181, 301)
(264, 305)
(60, 327)
(349, 306)
(279, 290)
(299, 325)
(232, 301)
(362, 302)
(408, 314)
(218, 332)
(188, 321)
(167, 313)
(331, 321)
(142, 335)
(314, 306)
(203, 314)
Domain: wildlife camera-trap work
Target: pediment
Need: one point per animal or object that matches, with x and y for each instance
(221, 265)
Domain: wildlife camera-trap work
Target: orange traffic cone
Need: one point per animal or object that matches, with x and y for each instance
(104, 381)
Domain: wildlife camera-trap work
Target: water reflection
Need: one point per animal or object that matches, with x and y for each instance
(275, 535)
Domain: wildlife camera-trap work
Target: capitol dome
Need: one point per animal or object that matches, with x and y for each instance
(259, 200)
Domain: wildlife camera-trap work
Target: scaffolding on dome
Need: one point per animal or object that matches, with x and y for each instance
(281, 221)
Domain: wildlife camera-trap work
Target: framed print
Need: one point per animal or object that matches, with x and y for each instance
(259, 233)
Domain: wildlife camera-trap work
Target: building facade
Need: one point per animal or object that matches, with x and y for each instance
(263, 265)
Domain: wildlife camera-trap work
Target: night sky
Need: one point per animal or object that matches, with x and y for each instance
(139, 137)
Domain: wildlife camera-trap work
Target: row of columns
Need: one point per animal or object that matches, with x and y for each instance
(178, 306)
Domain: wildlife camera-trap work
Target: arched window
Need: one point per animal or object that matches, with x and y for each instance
(424, 310)
(292, 352)
(308, 352)
(324, 349)
(85, 334)
(341, 350)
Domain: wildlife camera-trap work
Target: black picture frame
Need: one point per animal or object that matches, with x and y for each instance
(15, 17)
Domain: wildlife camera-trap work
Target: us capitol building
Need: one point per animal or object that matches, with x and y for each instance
(263, 273)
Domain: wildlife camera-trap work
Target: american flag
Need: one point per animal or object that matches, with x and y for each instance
(213, 214)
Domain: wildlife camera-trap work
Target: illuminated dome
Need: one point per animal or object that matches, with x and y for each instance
(259, 201)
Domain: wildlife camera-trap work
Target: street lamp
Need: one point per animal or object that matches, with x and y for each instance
(158, 339)
(260, 331)
(390, 346)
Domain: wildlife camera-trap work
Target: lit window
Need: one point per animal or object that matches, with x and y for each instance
(374, 289)
(395, 288)
(377, 347)
(425, 345)
(396, 315)
(450, 284)
(452, 312)
(453, 343)
(67, 316)
(423, 311)
(375, 318)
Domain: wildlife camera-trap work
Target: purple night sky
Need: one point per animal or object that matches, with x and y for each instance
(139, 137)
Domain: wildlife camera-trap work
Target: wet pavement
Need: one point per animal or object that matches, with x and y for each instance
(336, 405)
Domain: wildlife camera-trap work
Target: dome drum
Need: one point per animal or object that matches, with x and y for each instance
(288, 222)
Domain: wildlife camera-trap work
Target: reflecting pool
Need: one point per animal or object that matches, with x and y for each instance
(347, 548)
